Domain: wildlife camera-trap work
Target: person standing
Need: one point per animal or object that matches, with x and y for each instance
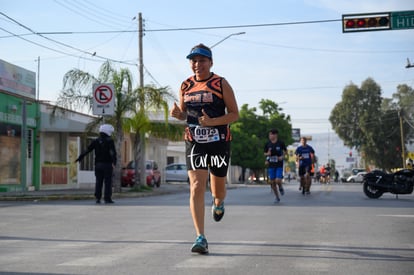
(305, 158)
(105, 162)
(274, 151)
(336, 176)
(208, 104)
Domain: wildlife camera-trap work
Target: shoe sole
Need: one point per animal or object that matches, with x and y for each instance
(199, 249)
(216, 217)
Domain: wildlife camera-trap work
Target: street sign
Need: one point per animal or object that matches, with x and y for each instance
(103, 99)
(402, 20)
(296, 134)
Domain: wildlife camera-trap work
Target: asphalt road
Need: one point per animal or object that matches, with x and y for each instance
(335, 230)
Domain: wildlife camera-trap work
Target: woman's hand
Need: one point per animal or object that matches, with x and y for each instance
(176, 112)
(204, 120)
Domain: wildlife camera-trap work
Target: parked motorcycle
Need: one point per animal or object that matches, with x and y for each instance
(376, 183)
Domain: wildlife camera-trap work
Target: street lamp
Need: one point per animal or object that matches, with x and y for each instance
(227, 37)
(409, 65)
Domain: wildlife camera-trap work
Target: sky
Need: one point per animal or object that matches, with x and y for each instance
(301, 66)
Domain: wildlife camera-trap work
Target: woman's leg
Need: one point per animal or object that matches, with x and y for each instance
(218, 188)
(198, 179)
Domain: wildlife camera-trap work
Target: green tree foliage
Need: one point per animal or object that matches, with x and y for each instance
(366, 121)
(77, 95)
(404, 98)
(129, 113)
(149, 100)
(250, 134)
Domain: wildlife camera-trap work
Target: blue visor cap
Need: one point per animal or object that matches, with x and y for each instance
(199, 51)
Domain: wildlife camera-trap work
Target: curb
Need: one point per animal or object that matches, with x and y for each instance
(88, 194)
(51, 195)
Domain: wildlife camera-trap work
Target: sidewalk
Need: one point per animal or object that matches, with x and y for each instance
(88, 193)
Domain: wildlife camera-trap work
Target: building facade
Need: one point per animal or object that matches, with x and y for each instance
(19, 121)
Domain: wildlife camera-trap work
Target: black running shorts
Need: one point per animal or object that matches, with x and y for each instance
(214, 156)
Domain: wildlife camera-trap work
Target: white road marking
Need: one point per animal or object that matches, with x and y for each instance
(398, 216)
(90, 261)
(205, 261)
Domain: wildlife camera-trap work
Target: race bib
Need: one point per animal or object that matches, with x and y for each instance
(205, 134)
(273, 159)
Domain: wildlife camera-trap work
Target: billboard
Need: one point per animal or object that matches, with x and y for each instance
(296, 134)
(16, 80)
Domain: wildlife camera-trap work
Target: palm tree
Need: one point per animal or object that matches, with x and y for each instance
(77, 94)
(150, 100)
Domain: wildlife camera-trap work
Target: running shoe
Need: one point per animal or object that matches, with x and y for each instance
(200, 245)
(282, 191)
(277, 200)
(217, 211)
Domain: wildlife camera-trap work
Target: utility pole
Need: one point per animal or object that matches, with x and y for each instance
(23, 147)
(38, 78)
(142, 160)
(402, 139)
(140, 51)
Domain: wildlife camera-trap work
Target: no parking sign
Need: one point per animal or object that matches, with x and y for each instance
(103, 99)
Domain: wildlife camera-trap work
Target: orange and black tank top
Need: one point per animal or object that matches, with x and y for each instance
(204, 95)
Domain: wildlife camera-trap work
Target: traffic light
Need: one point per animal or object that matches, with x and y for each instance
(360, 22)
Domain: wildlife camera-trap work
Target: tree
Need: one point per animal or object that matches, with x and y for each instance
(246, 142)
(250, 133)
(366, 121)
(404, 98)
(77, 95)
(405, 104)
(150, 100)
(359, 107)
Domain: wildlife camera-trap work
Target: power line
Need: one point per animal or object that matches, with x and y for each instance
(43, 46)
(60, 43)
(352, 51)
(245, 26)
(195, 28)
(90, 13)
(150, 75)
(74, 32)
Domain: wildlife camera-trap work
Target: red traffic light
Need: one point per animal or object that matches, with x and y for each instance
(350, 23)
(361, 22)
(366, 22)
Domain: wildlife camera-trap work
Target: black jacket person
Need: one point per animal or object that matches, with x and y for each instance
(105, 161)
